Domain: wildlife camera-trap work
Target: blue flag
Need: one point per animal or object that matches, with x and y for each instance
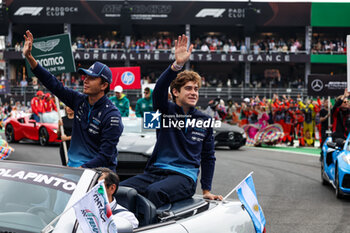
(247, 195)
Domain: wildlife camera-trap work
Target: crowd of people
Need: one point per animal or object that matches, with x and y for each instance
(206, 44)
(329, 46)
(210, 44)
(216, 44)
(300, 120)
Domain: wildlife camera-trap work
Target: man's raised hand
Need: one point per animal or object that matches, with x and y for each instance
(27, 48)
(182, 54)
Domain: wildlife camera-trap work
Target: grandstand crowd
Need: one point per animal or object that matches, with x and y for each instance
(209, 44)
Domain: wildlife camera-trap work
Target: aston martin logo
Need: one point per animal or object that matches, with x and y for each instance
(317, 85)
(46, 46)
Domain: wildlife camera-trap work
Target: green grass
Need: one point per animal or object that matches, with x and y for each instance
(306, 150)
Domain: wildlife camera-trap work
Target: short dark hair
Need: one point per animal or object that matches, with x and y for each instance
(147, 89)
(108, 87)
(111, 177)
(183, 78)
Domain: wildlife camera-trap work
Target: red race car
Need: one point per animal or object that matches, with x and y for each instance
(23, 127)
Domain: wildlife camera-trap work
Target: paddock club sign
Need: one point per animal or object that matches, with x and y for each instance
(197, 57)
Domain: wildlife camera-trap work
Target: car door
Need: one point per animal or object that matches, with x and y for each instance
(30, 128)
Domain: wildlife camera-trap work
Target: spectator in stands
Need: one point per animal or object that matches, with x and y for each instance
(205, 48)
(121, 101)
(24, 85)
(144, 104)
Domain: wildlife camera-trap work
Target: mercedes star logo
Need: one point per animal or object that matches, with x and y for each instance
(317, 85)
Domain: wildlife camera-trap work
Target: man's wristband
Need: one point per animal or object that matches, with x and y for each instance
(176, 67)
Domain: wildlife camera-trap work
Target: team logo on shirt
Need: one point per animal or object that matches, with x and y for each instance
(151, 120)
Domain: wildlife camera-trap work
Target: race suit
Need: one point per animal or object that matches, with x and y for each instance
(37, 108)
(49, 105)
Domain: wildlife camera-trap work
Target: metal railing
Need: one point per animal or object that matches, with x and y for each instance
(104, 50)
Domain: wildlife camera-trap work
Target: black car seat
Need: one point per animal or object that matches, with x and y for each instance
(126, 197)
(144, 209)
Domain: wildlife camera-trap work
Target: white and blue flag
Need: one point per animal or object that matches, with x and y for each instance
(247, 195)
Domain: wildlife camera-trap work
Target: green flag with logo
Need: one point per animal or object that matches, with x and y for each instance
(54, 53)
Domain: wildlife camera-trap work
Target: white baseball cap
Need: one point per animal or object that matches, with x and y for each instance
(118, 89)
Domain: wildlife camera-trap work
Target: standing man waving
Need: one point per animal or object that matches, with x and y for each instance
(97, 122)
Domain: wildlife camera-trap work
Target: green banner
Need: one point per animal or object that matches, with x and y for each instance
(328, 58)
(330, 14)
(54, 53)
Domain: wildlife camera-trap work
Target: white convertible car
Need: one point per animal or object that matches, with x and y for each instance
(135, 147)
(32, 195)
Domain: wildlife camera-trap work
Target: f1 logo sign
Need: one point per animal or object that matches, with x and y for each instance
(29, 10)
(214, 12)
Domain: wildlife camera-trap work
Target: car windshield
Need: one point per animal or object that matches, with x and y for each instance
(49, 117)
(134, 125)
(32, 196)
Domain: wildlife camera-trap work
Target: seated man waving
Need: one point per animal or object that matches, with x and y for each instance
(172, 171)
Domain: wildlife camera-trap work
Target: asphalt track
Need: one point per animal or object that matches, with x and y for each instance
(288, 185)
(289, 189)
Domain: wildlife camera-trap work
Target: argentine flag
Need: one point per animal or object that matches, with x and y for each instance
(247, 195)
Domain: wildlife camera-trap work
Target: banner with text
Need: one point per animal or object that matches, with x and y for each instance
(127, 77)
(229, 13)
(53, 53)
(326, 85)
(196, 56)
(169, 57)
